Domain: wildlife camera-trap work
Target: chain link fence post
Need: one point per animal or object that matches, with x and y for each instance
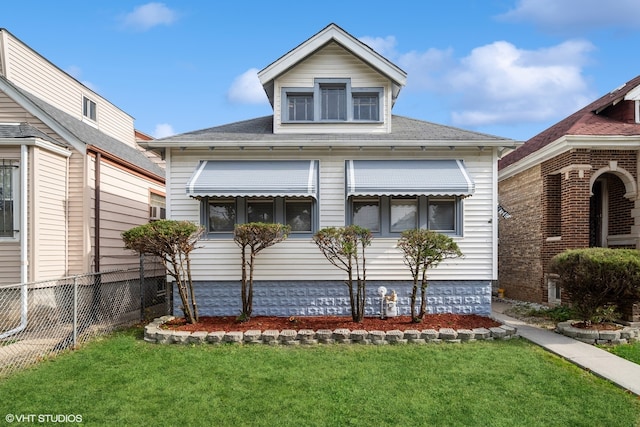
(75, 311)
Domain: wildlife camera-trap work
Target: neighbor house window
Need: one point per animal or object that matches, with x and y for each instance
(8, 179)
(223, 213)
(331, 99)
(88, 108)
(157, 207)
(390, 215)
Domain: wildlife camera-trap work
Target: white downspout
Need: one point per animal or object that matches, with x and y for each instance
(24, 259)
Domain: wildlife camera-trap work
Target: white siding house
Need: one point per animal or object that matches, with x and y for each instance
(348, 160)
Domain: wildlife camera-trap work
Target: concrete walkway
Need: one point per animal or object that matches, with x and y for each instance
(619, 371)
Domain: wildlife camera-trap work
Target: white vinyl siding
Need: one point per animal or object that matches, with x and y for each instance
(30, 71)
(332, 62)
(300, 259)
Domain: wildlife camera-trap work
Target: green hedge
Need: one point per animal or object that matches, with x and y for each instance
(595, 278)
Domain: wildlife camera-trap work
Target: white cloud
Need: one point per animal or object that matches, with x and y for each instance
(148, 16)
(76, 72)
(501, 84)
(425, 69)
(384, 46)
(163, 130)
(570, 15)
(246, 89)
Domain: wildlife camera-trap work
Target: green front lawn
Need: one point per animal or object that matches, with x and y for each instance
(121, 380)
(627, 351)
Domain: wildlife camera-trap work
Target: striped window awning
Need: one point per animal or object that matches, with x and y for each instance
(254, 178)
(408, 178)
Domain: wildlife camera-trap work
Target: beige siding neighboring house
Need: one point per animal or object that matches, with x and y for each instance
(72, 174)
(351, 161)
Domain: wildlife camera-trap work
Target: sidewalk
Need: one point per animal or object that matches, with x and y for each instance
(619, 371)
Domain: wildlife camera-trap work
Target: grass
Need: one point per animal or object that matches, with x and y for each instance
(121, 380)
(626, 351)
(563, 313)
(555, 314)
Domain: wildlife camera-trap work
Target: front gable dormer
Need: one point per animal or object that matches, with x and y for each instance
(332, 83)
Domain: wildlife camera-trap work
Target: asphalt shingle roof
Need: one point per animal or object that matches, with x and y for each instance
(585, 122)
(25, 130)
(91, 136)
(260, 130)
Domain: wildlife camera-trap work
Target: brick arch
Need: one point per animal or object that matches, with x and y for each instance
(627, 179)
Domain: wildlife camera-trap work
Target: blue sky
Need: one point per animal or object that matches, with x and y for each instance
(505, 67)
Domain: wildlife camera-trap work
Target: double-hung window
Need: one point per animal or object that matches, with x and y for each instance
(157, 207)
(331, 100)
(88, 109)
(300, 107)
(366, 106)
(391, 196)
(391, 215)
(8, 181)
(243, 191)
(223, 213)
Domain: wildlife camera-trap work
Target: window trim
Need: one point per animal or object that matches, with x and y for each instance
(241, 203)
(89, 109)
(367, 91)
(316, 90)
(14, 165)
(158, 204)
(423, 212)
(298, 93)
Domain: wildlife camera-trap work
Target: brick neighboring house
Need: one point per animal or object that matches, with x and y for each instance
(574, 185)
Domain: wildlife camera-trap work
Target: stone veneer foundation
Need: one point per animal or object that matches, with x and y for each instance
(331, 298)
(153, 333)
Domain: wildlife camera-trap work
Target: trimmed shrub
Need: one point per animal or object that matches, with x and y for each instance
(596, 278)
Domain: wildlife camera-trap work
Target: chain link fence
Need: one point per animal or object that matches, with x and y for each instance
(40, 319)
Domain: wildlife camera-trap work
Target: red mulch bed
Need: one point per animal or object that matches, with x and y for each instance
(597, 326)
(263, 323)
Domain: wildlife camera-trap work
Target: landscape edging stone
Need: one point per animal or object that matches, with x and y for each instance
(154, 333)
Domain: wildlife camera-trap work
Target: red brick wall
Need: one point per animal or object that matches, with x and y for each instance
(551, 214)
(520, 237)
(620, 220)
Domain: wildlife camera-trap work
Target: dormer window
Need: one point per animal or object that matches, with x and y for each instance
(300, 107)
(331, 100)
(366, 106)
(88, 109)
